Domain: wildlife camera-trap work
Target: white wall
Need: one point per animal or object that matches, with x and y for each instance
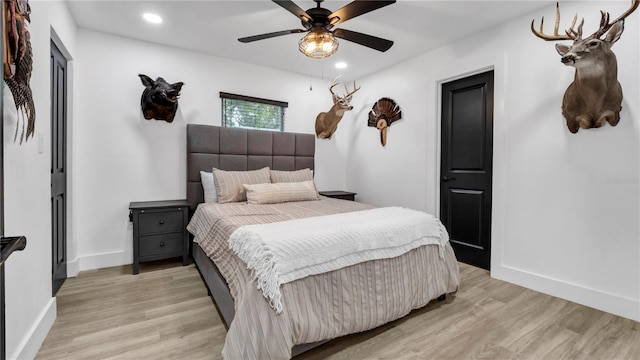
(120, 157)
(30, 309)
(565, 206)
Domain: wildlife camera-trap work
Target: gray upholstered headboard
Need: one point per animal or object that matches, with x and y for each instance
(241, 149)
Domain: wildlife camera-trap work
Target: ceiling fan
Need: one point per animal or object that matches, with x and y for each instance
(318, 23)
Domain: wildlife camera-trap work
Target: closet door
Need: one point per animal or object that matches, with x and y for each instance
(58, 168)
(466, 166)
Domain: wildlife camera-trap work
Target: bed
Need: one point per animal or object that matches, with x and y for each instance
(314, 308)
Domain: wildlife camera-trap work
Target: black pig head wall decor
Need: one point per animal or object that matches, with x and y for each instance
(159, 99)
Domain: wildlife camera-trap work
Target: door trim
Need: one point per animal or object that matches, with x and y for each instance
(494, 257)
(72, 257)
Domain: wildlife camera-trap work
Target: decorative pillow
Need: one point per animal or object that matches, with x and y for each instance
(276, 193)
(208, 186)
(229, 183)
(278, 176)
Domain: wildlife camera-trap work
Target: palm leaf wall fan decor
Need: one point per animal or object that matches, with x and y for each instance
(18, 63)
(383, 113)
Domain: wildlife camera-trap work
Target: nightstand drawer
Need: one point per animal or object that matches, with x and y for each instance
(152, 245)
(160, 221)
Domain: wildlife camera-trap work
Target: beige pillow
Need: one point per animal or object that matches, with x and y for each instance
(278, 176)
(276, 193)
(229, 183)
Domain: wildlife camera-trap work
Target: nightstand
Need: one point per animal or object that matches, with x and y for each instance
(344, 195)
(159, 231)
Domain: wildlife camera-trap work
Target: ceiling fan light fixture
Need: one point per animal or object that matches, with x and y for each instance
(318, 44)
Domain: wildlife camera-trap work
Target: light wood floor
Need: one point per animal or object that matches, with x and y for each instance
(164, 313)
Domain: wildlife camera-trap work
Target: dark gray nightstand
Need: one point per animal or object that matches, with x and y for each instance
(344, 195)
(159, 231)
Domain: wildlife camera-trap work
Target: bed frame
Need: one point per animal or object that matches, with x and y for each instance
(239, 149)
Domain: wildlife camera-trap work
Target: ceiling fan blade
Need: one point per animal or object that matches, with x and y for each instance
(356, 8)
(373, 42)
(296, 10)
(270, 35)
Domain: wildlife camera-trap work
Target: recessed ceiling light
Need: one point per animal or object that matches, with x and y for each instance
(341, 65)
(152, 18)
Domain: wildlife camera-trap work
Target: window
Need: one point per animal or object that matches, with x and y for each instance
(252, 113)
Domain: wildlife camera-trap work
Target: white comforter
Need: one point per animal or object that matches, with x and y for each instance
(285, 251)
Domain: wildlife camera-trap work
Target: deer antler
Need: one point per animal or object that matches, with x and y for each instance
(336, 82)
(333, 84)
(605, 25)
(570, 34)
(354, 89)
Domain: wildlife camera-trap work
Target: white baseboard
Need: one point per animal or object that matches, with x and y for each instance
(73, 268)
(611, 303)
(104, 260)
(30, 345)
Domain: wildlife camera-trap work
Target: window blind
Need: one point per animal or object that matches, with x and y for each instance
(252, 113)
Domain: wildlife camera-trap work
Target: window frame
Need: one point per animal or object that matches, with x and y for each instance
(225, 95)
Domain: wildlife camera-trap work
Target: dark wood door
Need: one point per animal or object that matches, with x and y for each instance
(58, 167)
(466, 166)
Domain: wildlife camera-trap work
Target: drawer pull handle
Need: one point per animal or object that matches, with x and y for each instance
(161, 244)
(161, 222)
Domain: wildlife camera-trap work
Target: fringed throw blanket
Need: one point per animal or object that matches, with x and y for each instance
(285, 251)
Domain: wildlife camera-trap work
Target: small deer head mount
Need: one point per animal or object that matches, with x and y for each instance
(595, 96)
(327, 122)
(384, 112)
(159, 99)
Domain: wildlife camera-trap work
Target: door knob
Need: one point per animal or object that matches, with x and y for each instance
(445, 179)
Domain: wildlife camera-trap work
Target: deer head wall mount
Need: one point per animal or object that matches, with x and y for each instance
(595, 96)
(327, 122)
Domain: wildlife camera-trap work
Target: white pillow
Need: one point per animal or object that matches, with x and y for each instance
(209, 186)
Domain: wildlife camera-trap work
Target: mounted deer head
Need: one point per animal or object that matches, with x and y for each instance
(327, 122)
(595, 96)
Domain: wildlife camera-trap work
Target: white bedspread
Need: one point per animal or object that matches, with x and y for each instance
(285, 251)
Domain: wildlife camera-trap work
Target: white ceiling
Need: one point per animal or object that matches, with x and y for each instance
(213, 27)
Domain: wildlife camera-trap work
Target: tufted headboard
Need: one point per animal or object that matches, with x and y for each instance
(241, 149)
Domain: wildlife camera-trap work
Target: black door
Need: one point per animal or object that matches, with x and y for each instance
(58, 167)
(466, 165)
